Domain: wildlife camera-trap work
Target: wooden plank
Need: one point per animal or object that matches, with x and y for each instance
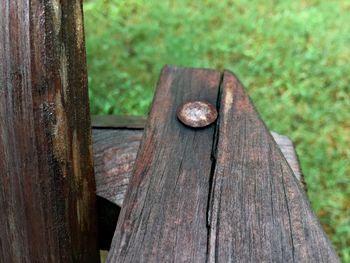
(166, 202)
(258, 211)
(115, 152)
(120, 122)
(47, 190)
(114, 157)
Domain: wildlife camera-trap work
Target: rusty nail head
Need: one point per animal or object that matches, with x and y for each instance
(197, 114)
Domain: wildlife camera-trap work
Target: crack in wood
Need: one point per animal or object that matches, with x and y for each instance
(213, 187)
(241, 226)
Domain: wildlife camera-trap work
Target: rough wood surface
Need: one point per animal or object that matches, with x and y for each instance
(47, 191)
(166, 202)
(199, 195)
(115, 148)
(120, 122)
(258, 211)
(115, 152)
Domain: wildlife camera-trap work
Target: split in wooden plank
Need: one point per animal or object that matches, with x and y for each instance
(164, 216)
(258, 211)
(115, 152)
(47, 189)
(115, 148)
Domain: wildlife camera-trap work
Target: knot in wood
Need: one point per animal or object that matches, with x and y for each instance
(197, 114)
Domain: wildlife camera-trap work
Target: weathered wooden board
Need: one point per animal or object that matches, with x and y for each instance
(258, 211)
(115, 152)
(164, 214)
(120, 122)
(115, 148)
(47, 190)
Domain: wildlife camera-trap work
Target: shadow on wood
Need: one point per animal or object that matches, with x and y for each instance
(107, 217)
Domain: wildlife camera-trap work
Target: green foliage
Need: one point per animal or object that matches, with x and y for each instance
(293, 57)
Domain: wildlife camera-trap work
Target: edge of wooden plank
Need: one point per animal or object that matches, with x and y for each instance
(255, 190)
(118, 122)
(298, 208)
(156, 204)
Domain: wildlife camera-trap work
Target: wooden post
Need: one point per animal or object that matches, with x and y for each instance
(47, 190)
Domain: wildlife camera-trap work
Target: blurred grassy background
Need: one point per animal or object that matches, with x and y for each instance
(293, 57)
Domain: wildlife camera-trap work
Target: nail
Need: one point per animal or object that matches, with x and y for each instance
(197, 114)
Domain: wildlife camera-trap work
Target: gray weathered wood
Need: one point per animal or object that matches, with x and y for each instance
(200, 196)
(115, 152)
(288, 150)
(120, 122)
(115, 148)
(47, 190)
(163, 218)
(258, 211)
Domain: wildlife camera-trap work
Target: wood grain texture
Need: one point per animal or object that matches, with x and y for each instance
(258, 212)
(116, 121)
(47, 190)
(115, 148)
(164, 214)
(115, 152)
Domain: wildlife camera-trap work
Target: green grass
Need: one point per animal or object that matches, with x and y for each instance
(293, 57)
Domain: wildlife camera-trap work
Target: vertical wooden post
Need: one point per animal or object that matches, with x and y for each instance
(47, 190)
